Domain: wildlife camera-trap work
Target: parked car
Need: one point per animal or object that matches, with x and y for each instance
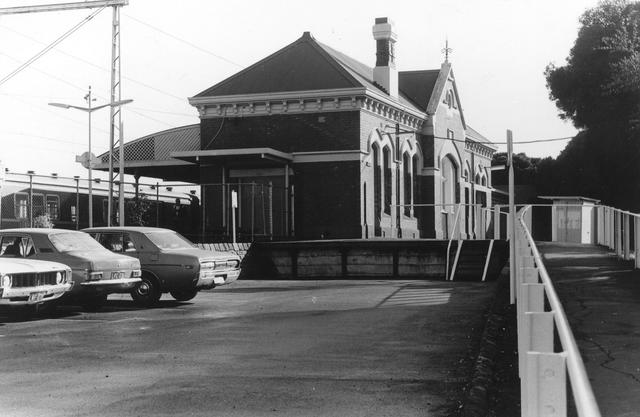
(27, 282)
(96, 272)
(170, 262)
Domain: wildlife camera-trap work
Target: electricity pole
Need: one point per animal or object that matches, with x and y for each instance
(116, 120)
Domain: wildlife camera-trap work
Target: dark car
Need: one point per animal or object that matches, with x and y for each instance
(169, 261)
(96, 272)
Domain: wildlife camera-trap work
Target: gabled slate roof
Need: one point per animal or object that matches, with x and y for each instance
(308, 65)
(418, 86)
(300, 66)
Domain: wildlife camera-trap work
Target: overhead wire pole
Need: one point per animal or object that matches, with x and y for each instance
(116, 124)
(116, 120)
(62, 6)
(512, 220)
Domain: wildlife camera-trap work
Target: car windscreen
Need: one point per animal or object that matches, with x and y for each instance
(68, 242)
(169, 240)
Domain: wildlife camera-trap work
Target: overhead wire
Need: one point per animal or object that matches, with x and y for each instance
(521, 142)
(57, 114)
(50, 46)
(43, 137)
(93, 64)
(55, 77)
(183, 41)
(77, 26)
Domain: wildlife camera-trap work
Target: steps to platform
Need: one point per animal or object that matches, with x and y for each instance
(472, 259)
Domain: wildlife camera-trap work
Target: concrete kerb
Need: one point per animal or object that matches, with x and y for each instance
(476, 402)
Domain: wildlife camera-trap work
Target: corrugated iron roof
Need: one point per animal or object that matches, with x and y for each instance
(158, 146)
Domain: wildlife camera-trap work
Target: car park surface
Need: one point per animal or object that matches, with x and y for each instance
(253, 348)
(170, 263)
(96, 272)
(27, 282)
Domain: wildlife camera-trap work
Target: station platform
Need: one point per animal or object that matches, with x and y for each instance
(601, 297)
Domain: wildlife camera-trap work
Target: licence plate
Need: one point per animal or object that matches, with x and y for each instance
(219, 279)
(117, 275)
(36, 296)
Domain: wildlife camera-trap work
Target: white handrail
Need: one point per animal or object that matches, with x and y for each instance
(455, 223)
(582, 392)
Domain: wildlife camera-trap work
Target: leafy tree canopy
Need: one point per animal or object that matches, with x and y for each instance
(599, 91)
(600, 83)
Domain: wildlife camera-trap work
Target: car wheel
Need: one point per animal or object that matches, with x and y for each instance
(94, 302)
(184, 295)
(147, 292)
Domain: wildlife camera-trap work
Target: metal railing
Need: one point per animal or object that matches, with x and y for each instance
(451, 237)
(542, 370)
(474, 226)
(617, 231)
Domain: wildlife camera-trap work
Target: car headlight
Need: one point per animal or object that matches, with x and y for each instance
(59, 278)
(207, 265)
(6, 281)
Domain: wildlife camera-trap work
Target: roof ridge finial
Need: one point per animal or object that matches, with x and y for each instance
(446, 51)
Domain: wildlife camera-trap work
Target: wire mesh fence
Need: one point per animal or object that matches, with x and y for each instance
(203, 213)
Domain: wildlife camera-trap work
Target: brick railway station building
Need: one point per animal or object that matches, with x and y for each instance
(345, 149)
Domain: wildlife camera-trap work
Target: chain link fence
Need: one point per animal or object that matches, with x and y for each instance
(203, 213)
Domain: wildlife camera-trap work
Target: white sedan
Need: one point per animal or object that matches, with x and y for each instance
(26, 282)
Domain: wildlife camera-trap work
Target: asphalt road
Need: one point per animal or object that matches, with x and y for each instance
(321, 348)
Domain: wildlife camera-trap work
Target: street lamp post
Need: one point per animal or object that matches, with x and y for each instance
(89, 109)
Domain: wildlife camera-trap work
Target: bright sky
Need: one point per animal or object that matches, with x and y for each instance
(500, 50)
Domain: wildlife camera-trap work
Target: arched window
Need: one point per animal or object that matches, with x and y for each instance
(386, 160)
(377, 182)
(449, 184)
(483, 180)
(406, 171)
(414, 175)
(477, 179)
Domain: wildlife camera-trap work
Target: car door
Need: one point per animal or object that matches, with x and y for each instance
(146, 252)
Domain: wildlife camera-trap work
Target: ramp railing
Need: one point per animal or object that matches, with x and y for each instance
(542, 370)
(619, 230)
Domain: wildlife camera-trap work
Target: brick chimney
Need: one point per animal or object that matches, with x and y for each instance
(385, 72)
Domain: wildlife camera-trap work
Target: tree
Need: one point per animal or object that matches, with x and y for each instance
(43, 221)
(137, 211)
(524, 169)
(599, 91)
(600, 84)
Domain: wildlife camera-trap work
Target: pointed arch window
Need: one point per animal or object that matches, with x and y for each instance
(377, 181)
(386, 160)
(414, 174)
(449, 184)
(408, 183)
